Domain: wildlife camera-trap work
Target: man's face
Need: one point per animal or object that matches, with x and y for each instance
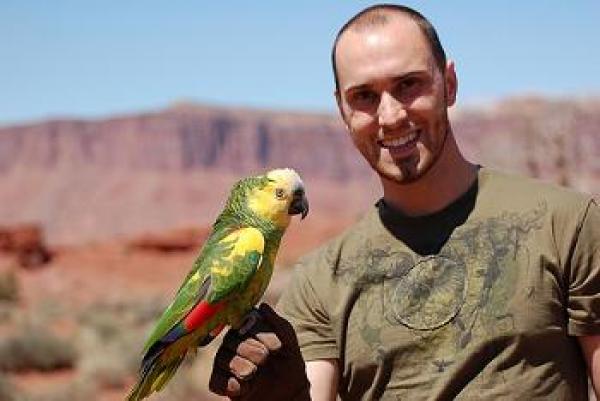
(394, 98)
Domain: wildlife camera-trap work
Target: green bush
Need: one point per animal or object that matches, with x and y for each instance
(133, 313)
(36, 349)
(7, 390)
(109, 370)
(76, 390)
(9, 286)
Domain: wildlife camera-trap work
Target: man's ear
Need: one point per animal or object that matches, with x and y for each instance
(451, 82)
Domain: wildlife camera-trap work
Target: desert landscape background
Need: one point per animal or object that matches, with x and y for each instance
(101, 219)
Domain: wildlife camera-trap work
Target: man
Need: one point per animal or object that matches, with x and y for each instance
(463, 283)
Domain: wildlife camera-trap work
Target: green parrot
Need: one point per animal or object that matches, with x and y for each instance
(229, 276)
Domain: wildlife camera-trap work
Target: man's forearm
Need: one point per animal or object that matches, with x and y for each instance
(323, 377)
(590, 345)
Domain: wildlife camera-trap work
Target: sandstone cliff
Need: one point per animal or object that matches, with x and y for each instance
(94, 179)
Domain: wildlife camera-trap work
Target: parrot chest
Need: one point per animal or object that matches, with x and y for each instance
(254, 291)
(258, 284)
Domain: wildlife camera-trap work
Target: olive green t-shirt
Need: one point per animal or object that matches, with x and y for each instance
(482, 300)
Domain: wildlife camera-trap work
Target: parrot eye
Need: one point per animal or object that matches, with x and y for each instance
(279, 193)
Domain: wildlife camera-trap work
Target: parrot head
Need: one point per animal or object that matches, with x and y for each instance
(274, 196)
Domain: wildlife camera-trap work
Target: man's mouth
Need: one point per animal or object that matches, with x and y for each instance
(400, 142)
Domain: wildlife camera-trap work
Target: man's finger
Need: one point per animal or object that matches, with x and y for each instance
(218, 382)
(269, 340)
(223, 356)
(254, 350)
(236, 365)
(242, 368)
(234, 388)
(222, 382)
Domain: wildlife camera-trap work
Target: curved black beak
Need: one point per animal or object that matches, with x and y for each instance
(299, 204)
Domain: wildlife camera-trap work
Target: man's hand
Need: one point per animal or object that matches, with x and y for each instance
(263, 364)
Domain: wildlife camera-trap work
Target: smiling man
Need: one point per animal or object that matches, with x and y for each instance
(462, 283)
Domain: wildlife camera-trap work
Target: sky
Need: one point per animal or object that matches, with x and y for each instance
(92, 59)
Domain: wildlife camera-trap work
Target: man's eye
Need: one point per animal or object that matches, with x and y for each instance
(407, 85)
(362, 99)
(410, 82)
(279, 193)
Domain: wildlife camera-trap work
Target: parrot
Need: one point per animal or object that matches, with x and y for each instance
(228, 278)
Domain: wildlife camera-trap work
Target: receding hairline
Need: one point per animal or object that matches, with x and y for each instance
(372, 21)
(373, 18)
(380, 15)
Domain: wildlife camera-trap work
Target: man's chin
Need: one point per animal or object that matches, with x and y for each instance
(405, 173)
(402, 180)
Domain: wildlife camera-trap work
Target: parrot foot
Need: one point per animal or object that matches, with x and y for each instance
(249, 321)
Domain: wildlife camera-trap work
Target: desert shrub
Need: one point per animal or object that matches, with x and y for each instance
(109, 363)
(8, 311)
(7, 390)
(148, 311)
(105, 325)
(9, 286)
(36, 349)
(110, 340)
(184, 386)
(107, 370)
(76, 390)
(110, 318)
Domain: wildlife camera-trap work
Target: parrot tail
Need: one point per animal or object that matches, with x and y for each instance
(153, 377)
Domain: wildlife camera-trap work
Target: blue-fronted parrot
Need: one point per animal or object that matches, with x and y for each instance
(229, 276)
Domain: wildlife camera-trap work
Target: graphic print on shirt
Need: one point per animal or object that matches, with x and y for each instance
(449, 299)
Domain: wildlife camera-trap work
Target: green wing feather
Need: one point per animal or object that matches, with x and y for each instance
(203, 283)
(241, 269)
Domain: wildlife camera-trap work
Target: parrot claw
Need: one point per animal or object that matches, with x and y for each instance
(249, 321)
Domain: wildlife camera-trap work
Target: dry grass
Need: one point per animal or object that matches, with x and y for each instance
(104, 349)
(35, 348)
(76, 390)
(9, 286)
(8, 391)
(110, 340)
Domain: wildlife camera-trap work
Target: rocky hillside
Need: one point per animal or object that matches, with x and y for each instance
(181, 139)
(557, 140)
(93, 179)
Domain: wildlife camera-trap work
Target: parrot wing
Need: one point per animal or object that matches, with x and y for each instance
(224, 267)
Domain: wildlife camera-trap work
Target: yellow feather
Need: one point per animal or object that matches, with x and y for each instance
(264, 203)
(244, 240)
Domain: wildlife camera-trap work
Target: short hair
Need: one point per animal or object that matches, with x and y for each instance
(378, 15)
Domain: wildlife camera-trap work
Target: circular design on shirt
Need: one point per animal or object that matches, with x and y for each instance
(430, 294)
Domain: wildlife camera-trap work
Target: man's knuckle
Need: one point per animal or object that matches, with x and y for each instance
(271, 341)
(248, 373)
(242, 368)
(261, 355)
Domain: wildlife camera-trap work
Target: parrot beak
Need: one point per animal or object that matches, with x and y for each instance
(299, 204)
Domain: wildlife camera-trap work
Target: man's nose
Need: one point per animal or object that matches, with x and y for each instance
(391, 112)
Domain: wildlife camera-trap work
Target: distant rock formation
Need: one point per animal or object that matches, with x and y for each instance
(557, 140)
(184, 138)
(176, 240)
(94, 179)
(26, 242)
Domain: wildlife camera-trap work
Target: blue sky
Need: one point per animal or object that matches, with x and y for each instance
(96, 58)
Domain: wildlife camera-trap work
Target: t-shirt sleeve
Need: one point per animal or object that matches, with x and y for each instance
(583, 305)
(305, 309)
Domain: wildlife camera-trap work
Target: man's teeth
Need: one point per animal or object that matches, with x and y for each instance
(399, 141)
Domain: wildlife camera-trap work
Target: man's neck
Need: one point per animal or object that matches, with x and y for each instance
(450, 177)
